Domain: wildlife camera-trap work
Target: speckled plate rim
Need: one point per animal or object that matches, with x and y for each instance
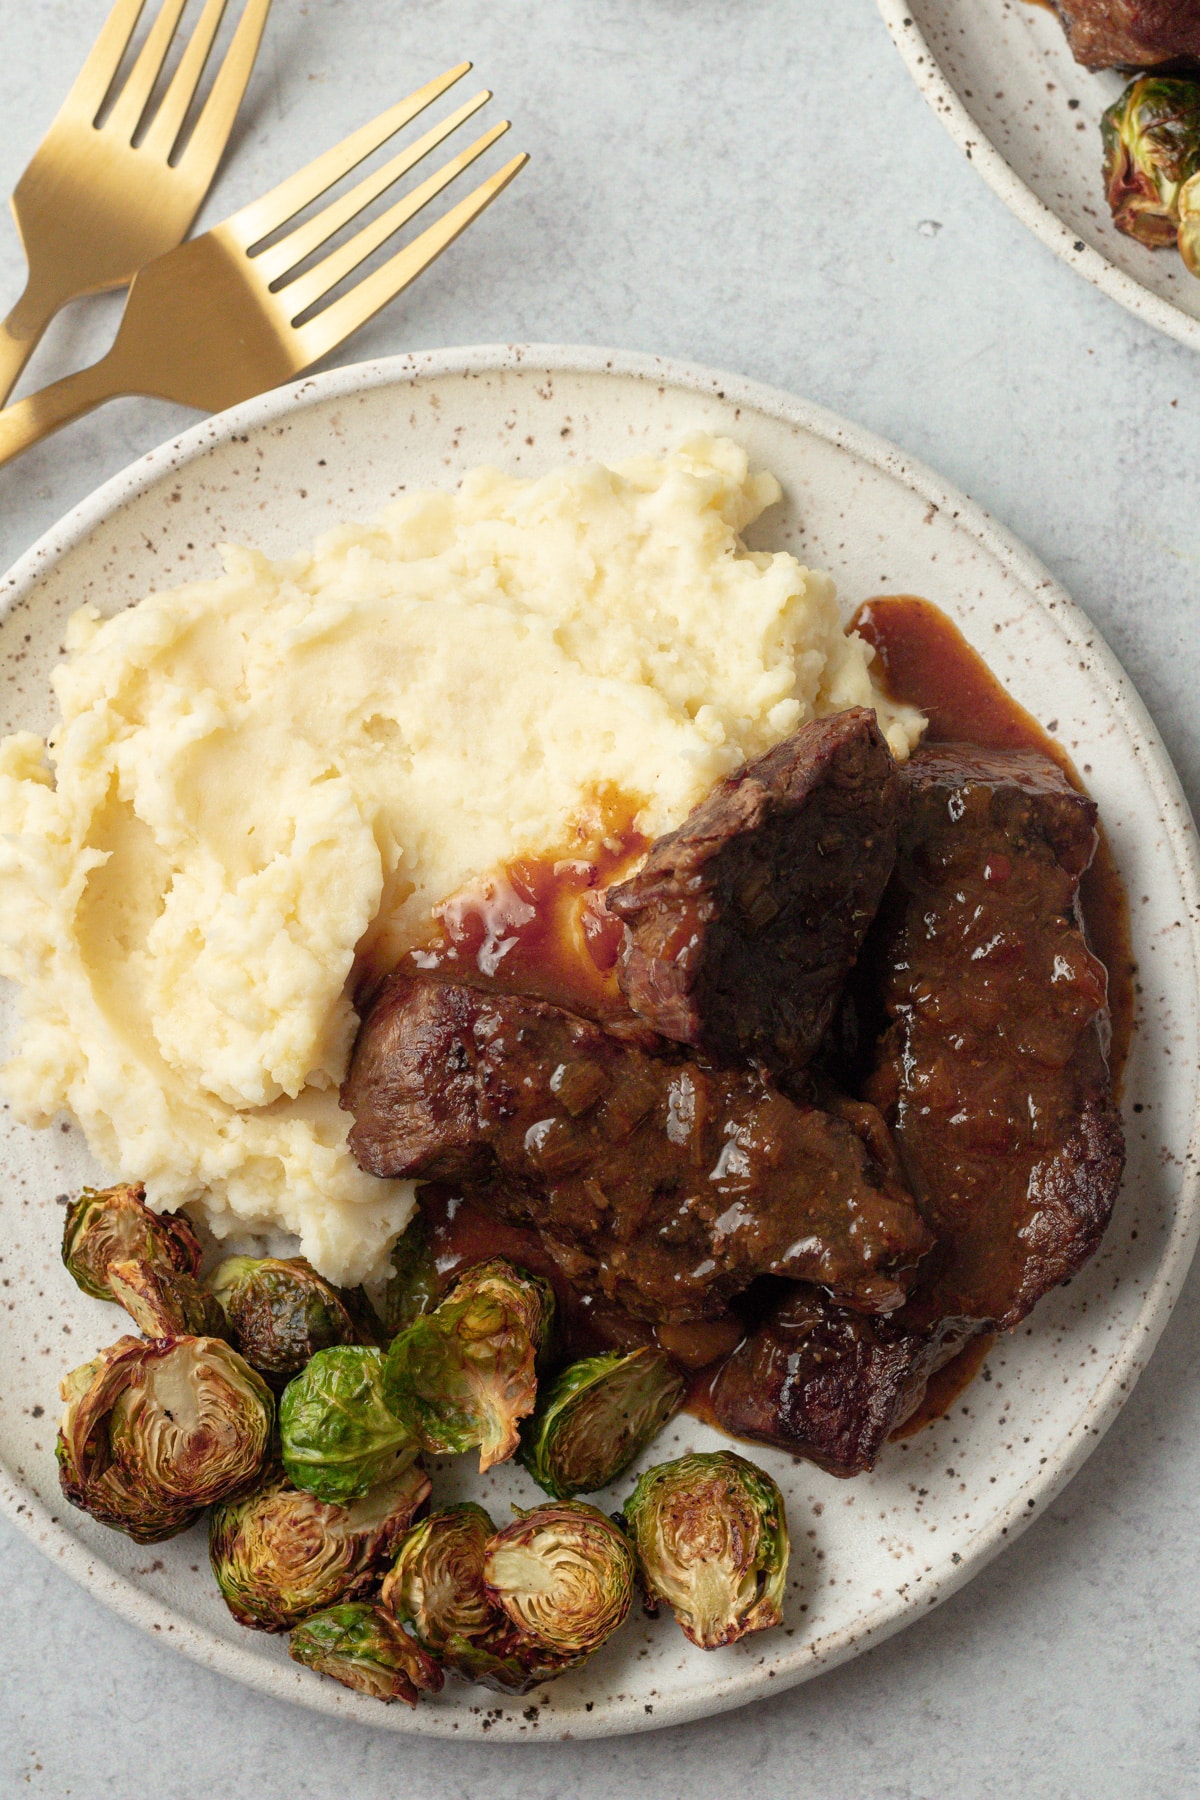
(725, 1691)
(947, 105)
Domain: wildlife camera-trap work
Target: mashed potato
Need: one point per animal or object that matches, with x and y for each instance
(248, 769)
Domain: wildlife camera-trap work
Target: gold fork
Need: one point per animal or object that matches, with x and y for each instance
(211, 323)
(92, 207)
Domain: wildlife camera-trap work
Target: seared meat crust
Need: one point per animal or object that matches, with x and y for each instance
(993, 1078)
(1132, 34)
(743, 924)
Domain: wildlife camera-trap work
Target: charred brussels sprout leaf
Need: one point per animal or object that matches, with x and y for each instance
(436, 1586)
(414, 1286)
(465, 1374)
(281, 1312)
(153, 1432)
(117, 1249)
(280, 1555)
(1151, 149)
(163, 1302)
(711, 1537)
(339, 1438)
(565, 1576)
(597, 1417)
(361, 1646)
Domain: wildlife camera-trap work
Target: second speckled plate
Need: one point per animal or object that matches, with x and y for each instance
(873, 1554)
(1000, 77)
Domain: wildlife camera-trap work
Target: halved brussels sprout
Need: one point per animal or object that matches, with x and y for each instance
(436, 1586)
(361, 1646)
(107, 1225)
(465, 1374)
(711, 1537)
(436, 1582)
(1151, 148)
(414, 1286)
(1189, 224)
(153, 1432)
(280, 1554)
(281, 1312)
(162, 1301)
(597, 1417)
(564, 1574)
(337, 1435)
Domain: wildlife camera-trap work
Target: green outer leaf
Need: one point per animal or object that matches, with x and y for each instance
(414, 1287)
(338, 1436)
(565, 1575)
(710, 1530)
(361, 1646)
(465, 1374)
(599, 1414)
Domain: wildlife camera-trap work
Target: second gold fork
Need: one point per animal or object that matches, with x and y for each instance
(213, 322)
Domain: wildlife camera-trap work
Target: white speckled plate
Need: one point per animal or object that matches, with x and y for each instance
(1000, 77)
(871, 1554)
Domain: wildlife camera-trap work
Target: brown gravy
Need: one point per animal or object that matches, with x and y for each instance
(927, 662)
(539, 928)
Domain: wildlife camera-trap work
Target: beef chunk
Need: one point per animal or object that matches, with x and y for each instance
(824, 1382)
(991, 1072)
(742, 924)
(663, 1186)
(1132, 34)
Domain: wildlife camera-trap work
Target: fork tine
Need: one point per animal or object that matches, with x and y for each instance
(308, 289)
(264, 216)
(329, 328)
(131, 102)
(165, 126)
(104, 59)
(203, 150)
(271, 264)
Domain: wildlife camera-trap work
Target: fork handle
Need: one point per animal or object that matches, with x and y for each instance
(37, 416)
(21, 332)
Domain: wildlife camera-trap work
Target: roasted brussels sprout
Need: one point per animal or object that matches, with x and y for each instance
(281, 1312)
(436, 1582)
(414, 1286)
(107, 1225)
(164, 1302)
(711, 1537)
(564, 1574)
(1151, 149)
(596, 1418)
(465, 1373)
(436, 1586)
(338, 1437)
(155, 1431)
(1189, 223)
(361, 1646)
(280, 1555)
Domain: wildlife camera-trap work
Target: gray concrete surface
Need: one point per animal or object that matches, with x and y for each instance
(757, 187)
